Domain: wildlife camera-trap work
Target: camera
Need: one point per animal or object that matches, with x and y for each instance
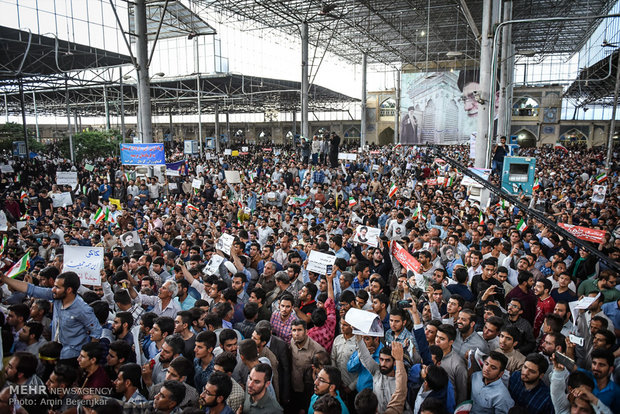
(403, 304)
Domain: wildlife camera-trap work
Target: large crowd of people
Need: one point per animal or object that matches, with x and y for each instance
(210, 302)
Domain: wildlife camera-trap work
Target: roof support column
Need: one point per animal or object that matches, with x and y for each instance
(23, 108)
(199, 113)
(36, 115)
(68, 118)
(304, 80)
(106, 105)
(504, 110)
(612, 127)
(217, 128)
(397, 108)
(486, 77)
(363, 126)
(142, 56)
(122, 103)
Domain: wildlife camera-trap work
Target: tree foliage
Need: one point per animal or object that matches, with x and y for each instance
(92, 144)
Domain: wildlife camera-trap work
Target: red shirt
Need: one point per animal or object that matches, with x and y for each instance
(543, 307)
(324, 335)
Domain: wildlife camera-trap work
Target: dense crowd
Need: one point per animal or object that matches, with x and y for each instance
(210, 302)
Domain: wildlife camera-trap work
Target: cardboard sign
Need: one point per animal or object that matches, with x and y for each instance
(6, 169)
(232, 177)
(89, 167)
(87, 262)
(196, 183)
(61, 199)
(224, 243)
(227, 152)
(367, 235)
(172, 186)
(404, 258)
(67, 178)
(318, 262)
(585, 233)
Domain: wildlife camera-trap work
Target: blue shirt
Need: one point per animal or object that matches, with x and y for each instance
(612, 311)
(357, 286)
(187, 304)
(364, 378)
(536, 400)
(77, 320)
(493, 398)
(315, 397)
(201, 376)
(610, 395)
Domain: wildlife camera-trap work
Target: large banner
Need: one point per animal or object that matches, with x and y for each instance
(585, 233)
(143, 154)
(404, 258)
(438, 107)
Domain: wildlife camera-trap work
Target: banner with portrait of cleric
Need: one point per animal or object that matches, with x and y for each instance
(438, 107)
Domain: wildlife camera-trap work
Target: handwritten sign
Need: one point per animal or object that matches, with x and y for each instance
(224, 243)
(61, 199)
(87, 262)
(89, 167)
(67, 178)
(585, 233)
(404, 258)
(143, 154)
(227, 152)
(318, 262)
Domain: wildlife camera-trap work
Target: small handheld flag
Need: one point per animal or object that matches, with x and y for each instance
(481, 218)
(602, 177)
(522, 226)
(536, 185)
(393, 190)
(19, 267)
(352, 202)
(101, 215)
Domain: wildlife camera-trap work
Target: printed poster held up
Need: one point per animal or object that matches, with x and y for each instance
(367, 235)
(318, 262)
(67, 178)
(61, 199)
(87, 262)
(224, 243)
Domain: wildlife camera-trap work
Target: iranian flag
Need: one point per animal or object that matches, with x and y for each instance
(3, 245)
(417, 211)
(503, 204)
(393, 190)
(179, 204)
(192, 207)
(602, 177)
(101, 215)
(20, 267)
(536, 185)
(522, 226)
(23, 195)
(449, 181)
(481, 218)
(352, 202)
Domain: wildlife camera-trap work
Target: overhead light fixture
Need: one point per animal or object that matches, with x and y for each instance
(422, 33)
(454, 53)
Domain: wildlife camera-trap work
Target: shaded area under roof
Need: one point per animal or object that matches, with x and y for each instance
(26, 54)
(234, 93)
(394, 31)
(600, 85)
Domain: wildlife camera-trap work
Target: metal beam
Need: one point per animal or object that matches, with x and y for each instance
(142, 50)
(304, 80)
(364, 97)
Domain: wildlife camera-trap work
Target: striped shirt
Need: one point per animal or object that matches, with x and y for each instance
(537, 400)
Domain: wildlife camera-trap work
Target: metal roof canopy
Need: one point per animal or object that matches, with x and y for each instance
(178, 21)
(234, 93)
(24, 54)
(595, 84)
(390, 31)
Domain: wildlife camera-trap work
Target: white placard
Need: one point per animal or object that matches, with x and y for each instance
(318, 262)
(375, 167)
(172, 186)
(586, 301)
(67, 178)
(3, 221)
(367, 235)
(364, 322)
(598, 194)
(6, 169)
(347, 156)
(61, 199)
(224, 243)
(87, 262)
(196, 183)
(232, 177)
(244, 149)
(227, 152)
(213, 267)
(483, 173)
(172, 173)
(21, 224)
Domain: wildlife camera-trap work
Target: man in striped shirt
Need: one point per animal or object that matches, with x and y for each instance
(526, 386)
